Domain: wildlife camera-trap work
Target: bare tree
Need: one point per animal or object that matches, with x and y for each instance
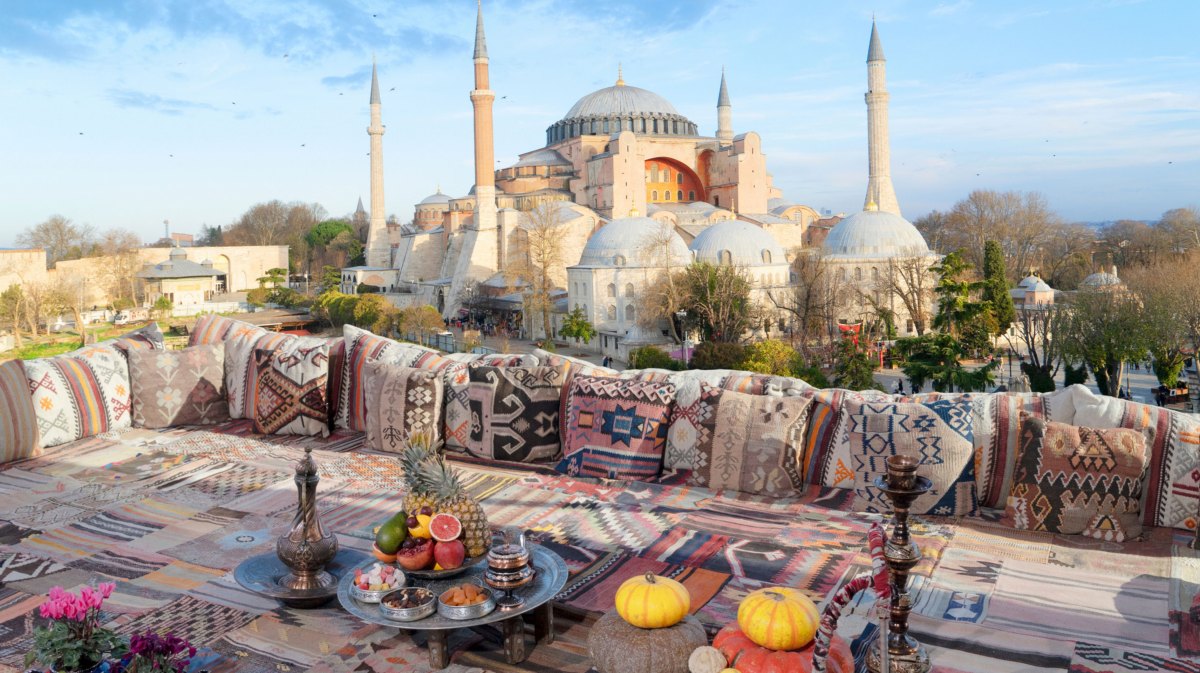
(121, 263)
(1038, 328)
(908, 278)
(664, 295)
(813, 302)
(536, 268)
(59, 237)
(1182, 226)
(1022, 223)
(1065, 257)
(12, 309)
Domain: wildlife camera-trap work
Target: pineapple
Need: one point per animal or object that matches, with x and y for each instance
(433, 483)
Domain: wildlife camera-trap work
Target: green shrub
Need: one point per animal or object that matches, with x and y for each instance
(716, 355)
(652, 357)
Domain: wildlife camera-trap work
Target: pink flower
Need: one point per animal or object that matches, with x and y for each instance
(107, 588)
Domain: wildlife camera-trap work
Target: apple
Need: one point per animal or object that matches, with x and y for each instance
(450, 554)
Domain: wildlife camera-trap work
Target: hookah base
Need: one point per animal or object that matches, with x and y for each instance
(914, 661)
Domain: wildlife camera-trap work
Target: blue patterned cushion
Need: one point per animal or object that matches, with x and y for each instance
(938, 433)
(616, 428)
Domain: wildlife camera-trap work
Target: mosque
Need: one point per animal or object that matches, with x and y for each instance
(622, 167)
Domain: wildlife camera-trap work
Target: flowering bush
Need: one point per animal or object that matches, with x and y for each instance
(74, 640)
(162, 654)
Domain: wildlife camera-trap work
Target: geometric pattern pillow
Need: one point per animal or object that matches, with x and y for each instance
(239, 367)
(765, 384)
(80, 394)
(747, 443)
(937, 433)
(514, 412)
(1074, 480)
(616, 428)
(826, 459)
(289, 391)
(684, 434)
(404, 402)
(361, 348)
(18, 422)
(456, 379)
(149, 337)
(212, 328)
(997, 441)
(184, 387)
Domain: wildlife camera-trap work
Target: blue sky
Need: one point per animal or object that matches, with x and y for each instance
(128, 112)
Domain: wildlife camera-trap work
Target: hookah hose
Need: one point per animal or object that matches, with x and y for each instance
(878, 579)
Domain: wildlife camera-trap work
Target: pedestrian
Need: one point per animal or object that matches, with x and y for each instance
(606, 362)
(899, 387)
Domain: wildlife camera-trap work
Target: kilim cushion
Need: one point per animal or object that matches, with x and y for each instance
(403, 402)
(149, 337)
(515, 412)
(937, 433)
(685, 436)
(765, 384)
(456, 379)
(213, 328)
(361, 348)
(747, 443)
(616, 428)
(18, 422)
(290, 394)
(826, 458)
(240, 369)
(1076, 480)
(80, 394)
(576, 366)
(184, 387)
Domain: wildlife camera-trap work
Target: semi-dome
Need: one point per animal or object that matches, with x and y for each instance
(542, 157)
(624, 242)
(874, 234)
(739, 243)
(620, 108)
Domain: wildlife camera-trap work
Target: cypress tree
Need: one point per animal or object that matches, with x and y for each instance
(995, 289)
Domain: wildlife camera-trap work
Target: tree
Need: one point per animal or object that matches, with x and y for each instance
(423, 320)
(277, 223)
(1022, 223)
(854, 369)
(908, 278)
(771, 356)
(995, 288)
(331, 279)
(813, 302)
(537, 267)
(369, 309)
(664, 296)
(577, 326)
(275, 277)
(954, 291)
(717, 301)
(12, 309)
(1066, 257)
(1105, 330)
(653, 357)
(118, 273)
(59, 237)
(210, 237)
(717, 355)
(163, 307)
(1038, 328)
(1168, 313)
(1182, 227)
(347, 249)
(937, 357)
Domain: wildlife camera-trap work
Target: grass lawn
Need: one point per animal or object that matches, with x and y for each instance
(67, 341)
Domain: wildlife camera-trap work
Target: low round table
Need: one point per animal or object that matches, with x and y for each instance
(550, 578)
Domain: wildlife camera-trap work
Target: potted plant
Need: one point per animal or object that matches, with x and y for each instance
(152, 653)
(74, 641)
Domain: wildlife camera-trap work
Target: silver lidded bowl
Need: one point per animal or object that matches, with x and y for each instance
(368, 596)
(464, 612)
(427, 604)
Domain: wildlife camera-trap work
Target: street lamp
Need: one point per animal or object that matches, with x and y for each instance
(682, 315)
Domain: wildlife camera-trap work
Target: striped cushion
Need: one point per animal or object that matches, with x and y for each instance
(240, 370)
(18, 423)
(362, 347)
(80, 394)
(212, 328)
(148, 338)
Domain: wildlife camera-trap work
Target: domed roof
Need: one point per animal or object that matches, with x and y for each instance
(1032, 283)
(623, 242)
(542, 157)
(1102, 279)
(435, 199)
(745, 243)
(620, 100)
(874, 234)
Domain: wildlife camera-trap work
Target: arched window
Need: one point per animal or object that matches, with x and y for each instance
(874, 273)
(654, 173)
(619, 260)
(667, 195)
(691, 195)
(628, 290)
(679, 195)
(612, 290)
(680, 178)
(842, 274)
(766, 256)
(654, 195)
(612, 312)
(725, 257)
(629, 312)
(666, 175)
(858, 273)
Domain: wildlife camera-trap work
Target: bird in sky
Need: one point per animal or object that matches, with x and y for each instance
(303, 145)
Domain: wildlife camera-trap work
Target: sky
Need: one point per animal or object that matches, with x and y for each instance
(126, 113)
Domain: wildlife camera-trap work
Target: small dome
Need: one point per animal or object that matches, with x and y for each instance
(874, 234)
(1101, 279)
(1034, 284)
(542, 157)
(738, 242)
(623, 242)
(178, 253)
(438, 199)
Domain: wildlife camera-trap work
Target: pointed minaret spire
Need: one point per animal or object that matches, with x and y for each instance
(379, 248)
(879, 158)
(480, 40)
(724, 114)
(374, 83)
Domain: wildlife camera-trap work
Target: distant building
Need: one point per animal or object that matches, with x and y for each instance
(182, 240)
(1032, 293)
(181, 280)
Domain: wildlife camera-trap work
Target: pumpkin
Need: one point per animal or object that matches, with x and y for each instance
(617, 646)
(653, 602)
(706, 659)
(730, 670)
(750, 658)
(778, 619)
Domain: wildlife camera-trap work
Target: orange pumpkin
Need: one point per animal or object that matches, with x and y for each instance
(747, 657)
(652, 602)
(778, 618)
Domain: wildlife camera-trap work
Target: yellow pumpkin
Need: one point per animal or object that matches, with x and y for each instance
(730, 670)
(653, 602)
(778, 618)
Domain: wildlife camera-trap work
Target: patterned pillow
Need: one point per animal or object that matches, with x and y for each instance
(616, 428)
(80, 394)
(149, 337)
(362, 347)
(456, 378)
(18, 422)
(212, 328)
(240, 370)
(938, 433)
(515, 412)
(576, 366)
(184, 387)
(684, 435)
(404, 402)
(748, 443)
(1074, 480)
(765, 384)
(826, 459)
(290, 390)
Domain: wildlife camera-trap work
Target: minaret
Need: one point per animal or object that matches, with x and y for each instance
(879, 185)
(485, 162)
(379, 249)
(724, 114)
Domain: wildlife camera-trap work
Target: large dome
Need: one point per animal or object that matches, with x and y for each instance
(874, 234)
(747, 245)
(620, 108)
(623, 242)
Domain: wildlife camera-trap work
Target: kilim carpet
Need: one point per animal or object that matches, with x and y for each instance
(168, 515)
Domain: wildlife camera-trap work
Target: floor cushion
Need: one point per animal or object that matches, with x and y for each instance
(515, 412)
(937, 433)
(184, 387)
(290, 395)
(456, 379)
(616, 428)
(404, 402)
(361, 347)
(1077, 480)
(240, 368)
(826, 459)
(80, 394)
(212, 328)
(18, 422)
(149, 337)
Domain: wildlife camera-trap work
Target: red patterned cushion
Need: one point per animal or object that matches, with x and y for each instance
(80, 394)
(616, 428)
(290, 390)
(1076, 480)
(212, 328)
